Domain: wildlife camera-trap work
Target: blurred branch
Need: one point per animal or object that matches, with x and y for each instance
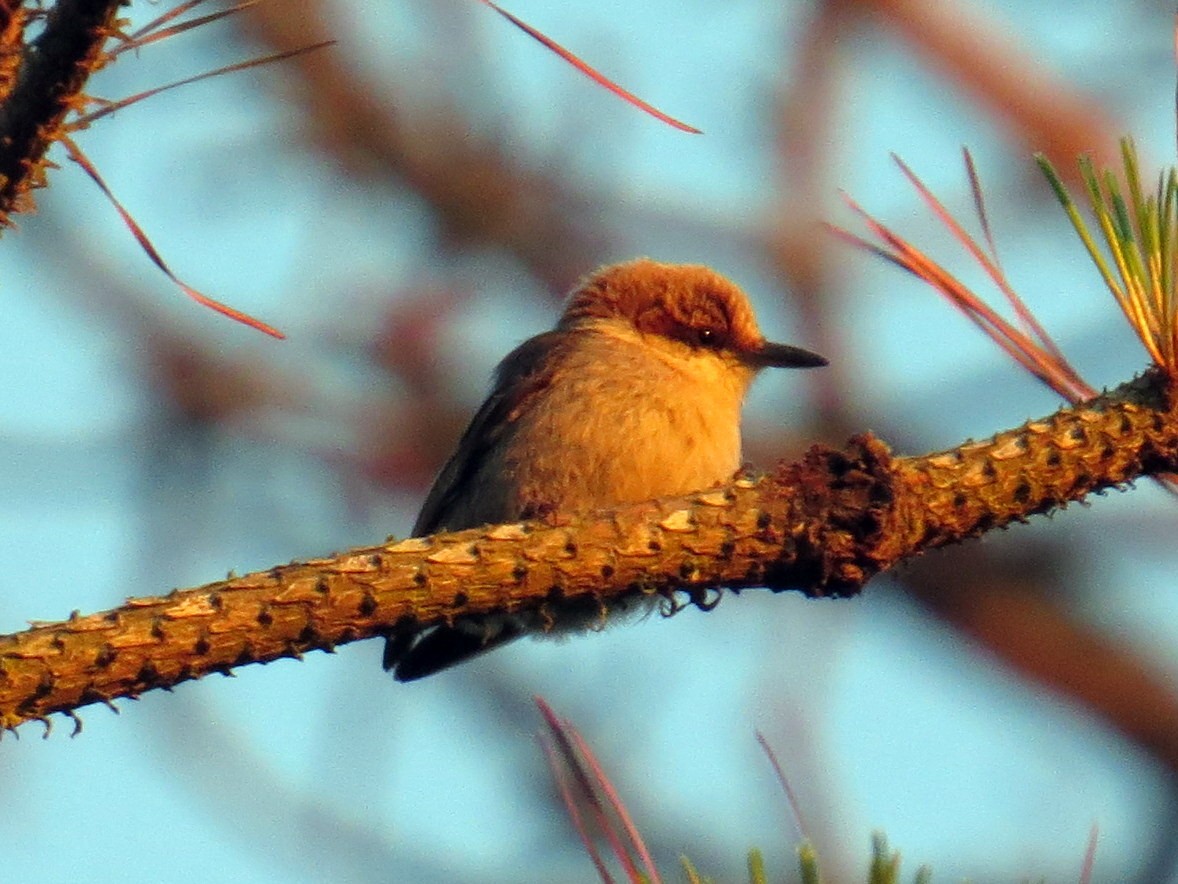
(824, 525)
(797, 247)
(481, 192)
(988, 62)
(1011, 608)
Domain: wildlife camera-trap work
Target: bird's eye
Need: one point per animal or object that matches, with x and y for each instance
(710, 337)
(704, 336)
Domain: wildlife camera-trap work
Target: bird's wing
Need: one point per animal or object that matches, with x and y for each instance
(444, 646)
(523, 374)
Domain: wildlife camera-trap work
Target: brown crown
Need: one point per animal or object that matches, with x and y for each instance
(687, 302)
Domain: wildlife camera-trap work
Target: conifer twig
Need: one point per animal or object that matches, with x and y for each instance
(47, 86)
(824, 526)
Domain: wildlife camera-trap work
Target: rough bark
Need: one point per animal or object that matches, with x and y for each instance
(823, 526)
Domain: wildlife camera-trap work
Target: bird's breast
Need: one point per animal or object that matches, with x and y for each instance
(626, 429)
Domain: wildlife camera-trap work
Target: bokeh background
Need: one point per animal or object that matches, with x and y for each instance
(410, 204)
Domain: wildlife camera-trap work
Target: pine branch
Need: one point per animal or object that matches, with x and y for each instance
(824, 526)
(47, 84)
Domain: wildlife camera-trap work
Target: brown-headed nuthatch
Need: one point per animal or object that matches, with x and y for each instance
(636, 394)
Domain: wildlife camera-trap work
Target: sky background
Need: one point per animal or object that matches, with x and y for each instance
(146, 443)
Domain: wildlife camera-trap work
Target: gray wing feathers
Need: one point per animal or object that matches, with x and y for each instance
(451, 506)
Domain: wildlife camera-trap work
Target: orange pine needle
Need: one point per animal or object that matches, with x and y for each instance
(153, 32)
(783, 780)
(989, 262)
(159, 21)
(570, 804)
(591, 778)
(109, 107)
(233, 313)
(594, 75)
(1031, 347)
(1090, 855)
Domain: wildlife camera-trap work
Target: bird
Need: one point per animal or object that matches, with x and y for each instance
(635, 394)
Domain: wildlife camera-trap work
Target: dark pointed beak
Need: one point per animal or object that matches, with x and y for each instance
(770, 355)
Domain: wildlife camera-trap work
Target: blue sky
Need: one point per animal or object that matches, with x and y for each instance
(327, 770)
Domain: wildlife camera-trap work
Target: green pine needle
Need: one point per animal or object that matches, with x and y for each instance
(808, 863)
(1140, 234)
(757, 868)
